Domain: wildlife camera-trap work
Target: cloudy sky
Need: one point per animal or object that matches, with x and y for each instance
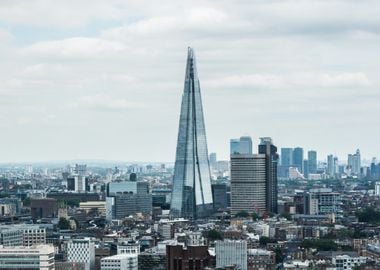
(93, 79)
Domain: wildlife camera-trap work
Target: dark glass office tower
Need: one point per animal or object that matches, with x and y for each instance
(191, 195)
(267, 147)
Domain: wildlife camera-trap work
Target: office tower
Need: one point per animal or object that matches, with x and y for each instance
(231, 252)
(312, 158)
(306, 168)
(267, 148)
(81, 251)
(40, 257)
(191, 195)
(120, 262)
(286, 157)
(212, 160)
(234, 146)
(248, 183)
(330, 165)
(298, 158)
(219, 196)
(354, 162)
(243, 146)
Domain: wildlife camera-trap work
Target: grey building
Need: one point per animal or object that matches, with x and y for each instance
(191, 196)
(248, 183)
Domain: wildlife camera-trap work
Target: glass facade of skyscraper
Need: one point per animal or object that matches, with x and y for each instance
(191, 195)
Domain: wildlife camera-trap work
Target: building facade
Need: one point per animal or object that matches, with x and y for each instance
(248, 183)
(32, 258)
(231, 253)
(191, 195)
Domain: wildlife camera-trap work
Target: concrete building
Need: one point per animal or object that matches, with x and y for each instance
(231, 253)
(82, 251)
(248, 183)
(10, 236)
(44, 208)
(120, 262)
(31, 258)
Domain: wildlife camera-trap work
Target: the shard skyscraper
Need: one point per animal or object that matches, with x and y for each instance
(191, 194)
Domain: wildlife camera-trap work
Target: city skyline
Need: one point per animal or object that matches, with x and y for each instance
(99, 85)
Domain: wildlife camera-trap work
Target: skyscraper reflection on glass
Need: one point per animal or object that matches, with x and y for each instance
(191, 194)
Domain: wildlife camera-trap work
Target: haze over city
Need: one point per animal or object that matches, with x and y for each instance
(104, 79)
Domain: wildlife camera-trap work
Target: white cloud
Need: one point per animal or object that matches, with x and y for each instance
(105, 102)
(78, 47)
(299, 80)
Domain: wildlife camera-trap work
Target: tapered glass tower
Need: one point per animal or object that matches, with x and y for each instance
(191, 195)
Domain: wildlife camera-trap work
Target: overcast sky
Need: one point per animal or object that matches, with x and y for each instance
(88, 79)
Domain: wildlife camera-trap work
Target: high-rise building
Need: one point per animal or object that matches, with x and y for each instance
(354, 162)
(306, 168)
(234, 146)
(245, 145)
(266, 147)
(298, 158)
(191, 195)
(242, 146)
(312, 161)
(248, 183)
(231, 253)
(332, 166)
(286, 157)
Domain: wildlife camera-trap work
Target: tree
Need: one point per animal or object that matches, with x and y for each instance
(255, 216)
(242, 214)
(214, 235)
(320, 244)
(265, 240)
(63, 224)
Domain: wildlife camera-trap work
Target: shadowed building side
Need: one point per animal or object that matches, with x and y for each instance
(191, 195)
